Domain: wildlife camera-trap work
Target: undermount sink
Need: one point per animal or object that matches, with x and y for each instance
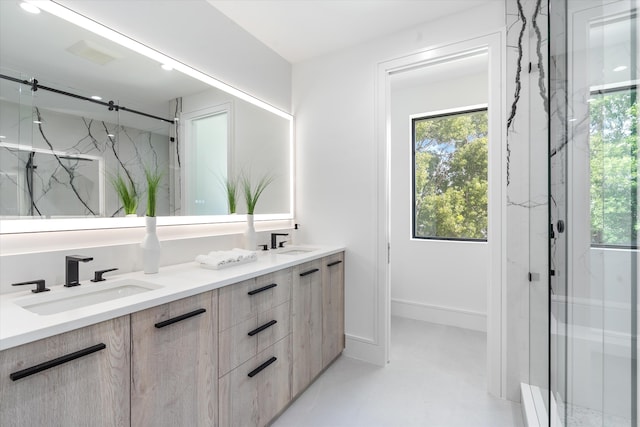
(295, 250)
(86, 295)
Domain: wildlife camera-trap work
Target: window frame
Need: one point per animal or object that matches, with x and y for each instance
(434, 115)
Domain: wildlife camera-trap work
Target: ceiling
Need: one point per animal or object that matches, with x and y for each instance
(302, 29)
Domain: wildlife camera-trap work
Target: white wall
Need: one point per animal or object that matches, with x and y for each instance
(334, 104)
(433, 280)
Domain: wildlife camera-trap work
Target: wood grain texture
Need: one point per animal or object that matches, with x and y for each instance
(253, 402)
(306, 322)
(174, 371)
(235, 346)
(237, 306)
(89, 391)
(332, 308)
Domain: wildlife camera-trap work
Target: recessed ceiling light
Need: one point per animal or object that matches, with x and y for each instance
(28, 7)
(96, 98)
(167, 67)
(620, 68)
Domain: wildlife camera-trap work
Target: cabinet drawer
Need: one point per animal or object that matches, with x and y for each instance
(237, 346)
(256, 391)
(244, 300)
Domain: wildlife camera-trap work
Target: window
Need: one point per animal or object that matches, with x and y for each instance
(613, 140)
(450, 175)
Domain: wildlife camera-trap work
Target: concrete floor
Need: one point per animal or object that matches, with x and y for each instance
(436, 377)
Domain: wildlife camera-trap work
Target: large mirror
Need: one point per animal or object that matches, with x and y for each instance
(62, 148)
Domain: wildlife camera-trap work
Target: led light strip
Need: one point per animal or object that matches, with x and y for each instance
(116, 37)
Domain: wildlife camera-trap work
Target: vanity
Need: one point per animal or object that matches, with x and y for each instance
(229, 347)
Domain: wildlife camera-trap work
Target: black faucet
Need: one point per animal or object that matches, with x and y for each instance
(274, 239)
(71, 269)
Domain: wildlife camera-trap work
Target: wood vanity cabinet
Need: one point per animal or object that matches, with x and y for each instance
(173, 363)
(307, 324)
(255, 349)
(333, 340)
(234, 357)
(78, 378)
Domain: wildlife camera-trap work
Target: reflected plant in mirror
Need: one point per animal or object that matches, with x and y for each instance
(127, 192)
(231, 187)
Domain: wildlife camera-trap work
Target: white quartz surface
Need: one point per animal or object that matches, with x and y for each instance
(19, 326)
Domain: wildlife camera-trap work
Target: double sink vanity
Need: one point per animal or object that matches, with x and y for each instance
(188, 346)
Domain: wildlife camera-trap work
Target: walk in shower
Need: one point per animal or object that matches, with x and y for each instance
(593, 204)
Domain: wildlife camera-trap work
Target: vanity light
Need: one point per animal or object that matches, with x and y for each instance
(620, 68)
(27, 7)
(96, 98)
(166, 67)
(88, 24)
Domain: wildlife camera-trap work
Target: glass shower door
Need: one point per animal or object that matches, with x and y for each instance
(593, 208)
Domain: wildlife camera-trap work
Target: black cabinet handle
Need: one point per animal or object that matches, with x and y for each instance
(55, 362)
(262, 328)
(262, 289)
(331, 264)
(261, 367)
(306, 273)
(179, 318)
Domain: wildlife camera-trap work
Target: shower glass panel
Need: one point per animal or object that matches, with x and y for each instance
(593, 208)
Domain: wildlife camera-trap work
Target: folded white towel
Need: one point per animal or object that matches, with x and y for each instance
(221, 259)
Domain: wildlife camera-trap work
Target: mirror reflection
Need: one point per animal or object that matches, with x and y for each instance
(60, 154)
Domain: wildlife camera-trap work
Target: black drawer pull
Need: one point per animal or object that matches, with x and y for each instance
(306, 273)
(261, 367)
(262, 328)
(262, 289)
(331, 264)
(55, 362)
(179, 318)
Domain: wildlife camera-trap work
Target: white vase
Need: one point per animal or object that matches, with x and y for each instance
(250, 241)
(150, 247)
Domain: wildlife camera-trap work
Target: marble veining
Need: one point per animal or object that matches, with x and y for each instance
(63, 167)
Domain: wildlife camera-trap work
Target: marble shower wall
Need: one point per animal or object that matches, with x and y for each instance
(527, 177)
(66, 162)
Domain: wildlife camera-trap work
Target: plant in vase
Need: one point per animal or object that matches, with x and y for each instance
(151, 245)
(127, 194)
(251, 196)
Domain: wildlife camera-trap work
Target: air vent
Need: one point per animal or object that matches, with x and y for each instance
(92, 52)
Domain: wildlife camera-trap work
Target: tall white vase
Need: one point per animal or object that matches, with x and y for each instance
(150, 247)
(250, 241)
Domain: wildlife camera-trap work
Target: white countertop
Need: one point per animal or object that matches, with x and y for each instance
(19, 326)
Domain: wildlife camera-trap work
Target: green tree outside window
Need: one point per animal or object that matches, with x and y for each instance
(450, 176)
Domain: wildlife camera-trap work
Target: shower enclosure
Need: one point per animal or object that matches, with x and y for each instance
(593, 210)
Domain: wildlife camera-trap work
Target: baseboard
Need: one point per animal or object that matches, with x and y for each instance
(442, 315)
(365, 350)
